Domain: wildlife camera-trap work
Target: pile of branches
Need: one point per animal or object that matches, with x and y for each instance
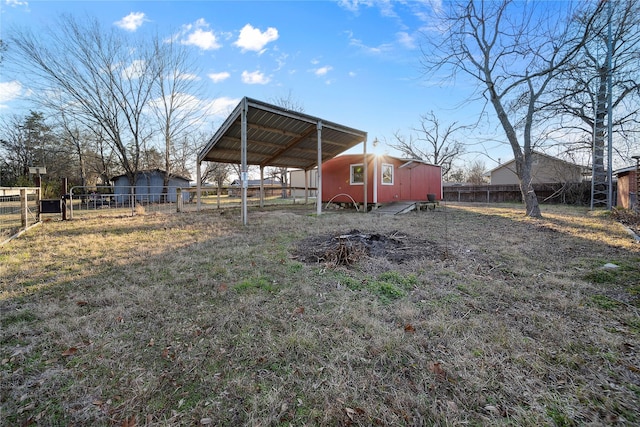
(630, 218)
(347, 249)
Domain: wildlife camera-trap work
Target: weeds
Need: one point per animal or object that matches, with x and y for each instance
(194, 318)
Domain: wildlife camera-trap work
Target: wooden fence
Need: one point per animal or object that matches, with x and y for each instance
(569, 193)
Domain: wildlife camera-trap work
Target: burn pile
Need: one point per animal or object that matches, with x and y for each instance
(348, 248)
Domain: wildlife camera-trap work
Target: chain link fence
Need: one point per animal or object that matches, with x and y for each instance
(125, 200)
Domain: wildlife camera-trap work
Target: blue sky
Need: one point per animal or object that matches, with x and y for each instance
(354, 62)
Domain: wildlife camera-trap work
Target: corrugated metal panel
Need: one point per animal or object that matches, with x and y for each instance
(278, 137)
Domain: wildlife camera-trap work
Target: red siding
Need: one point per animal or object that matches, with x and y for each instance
(626, 186)
(411, 182)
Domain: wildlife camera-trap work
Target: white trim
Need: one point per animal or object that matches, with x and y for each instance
(375, 180)
(393, 174)
(351, 181)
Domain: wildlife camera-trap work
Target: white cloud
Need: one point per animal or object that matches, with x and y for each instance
(255, 40)
(205, 40)
(406, 40)
(371, 50)
(198, 34)
(181, 101)
(17, 3)
(222, 106)
(354, 5)
(322, 71)
(135, 70)
(219, 77)
(254, 78)
(188, 77)
(9, 91)
(132, 21)
(352, 74)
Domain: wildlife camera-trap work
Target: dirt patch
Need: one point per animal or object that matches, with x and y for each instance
(349, 247)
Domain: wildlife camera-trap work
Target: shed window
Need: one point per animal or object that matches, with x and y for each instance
(357, 174)
(387, 174)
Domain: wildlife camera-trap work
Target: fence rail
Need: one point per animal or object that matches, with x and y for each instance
(19, 210)
(125, 199)
(570, 193)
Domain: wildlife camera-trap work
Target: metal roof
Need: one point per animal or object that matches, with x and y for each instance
(278, 137)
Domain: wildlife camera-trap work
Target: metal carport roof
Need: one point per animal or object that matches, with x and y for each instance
(278, 137)
(257, 133)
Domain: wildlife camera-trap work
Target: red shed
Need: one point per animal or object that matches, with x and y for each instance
(627, 187)
(389, 179)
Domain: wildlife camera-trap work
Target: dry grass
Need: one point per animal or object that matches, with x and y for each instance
(193, 319)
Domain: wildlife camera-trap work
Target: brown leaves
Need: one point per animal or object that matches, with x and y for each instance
(437, 369)
(129, 422)
(70, 351)
(353, 412)
(409, 328)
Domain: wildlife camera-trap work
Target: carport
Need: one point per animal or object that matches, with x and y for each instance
(257, 133)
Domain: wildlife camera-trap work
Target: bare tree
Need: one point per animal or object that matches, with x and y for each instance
(583, 91)
(75, 140)
(433, 142)
(513, 51)
(476, 173)
(218, 173)
(18, 150)
(176, 109)
(97, 76)
(290, 103)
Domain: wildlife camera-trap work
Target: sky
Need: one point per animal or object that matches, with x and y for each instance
(353, 62)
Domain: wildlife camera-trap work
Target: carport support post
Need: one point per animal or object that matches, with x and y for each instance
(261, 186)
(306, 186)
(198, 185)
(366, 175)
(243, 159)
(319, 195)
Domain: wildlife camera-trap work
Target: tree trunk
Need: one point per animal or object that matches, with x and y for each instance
(523, 161)
(529, 197)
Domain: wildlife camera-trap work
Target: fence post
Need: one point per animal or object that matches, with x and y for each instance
(38, 191)
(23, 208)
(179, 199)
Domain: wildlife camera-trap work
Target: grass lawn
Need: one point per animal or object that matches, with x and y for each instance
(469, 314)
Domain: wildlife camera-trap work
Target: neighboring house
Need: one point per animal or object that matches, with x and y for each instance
(389, 179)
(627, 187)
(545, 170)
(149, 187)
(253, 189)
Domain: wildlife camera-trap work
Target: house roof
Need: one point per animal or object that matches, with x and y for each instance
(151, 171)
(625, 170)
(256, 182)
(537, 153)
(278, 137)
(406, 162)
